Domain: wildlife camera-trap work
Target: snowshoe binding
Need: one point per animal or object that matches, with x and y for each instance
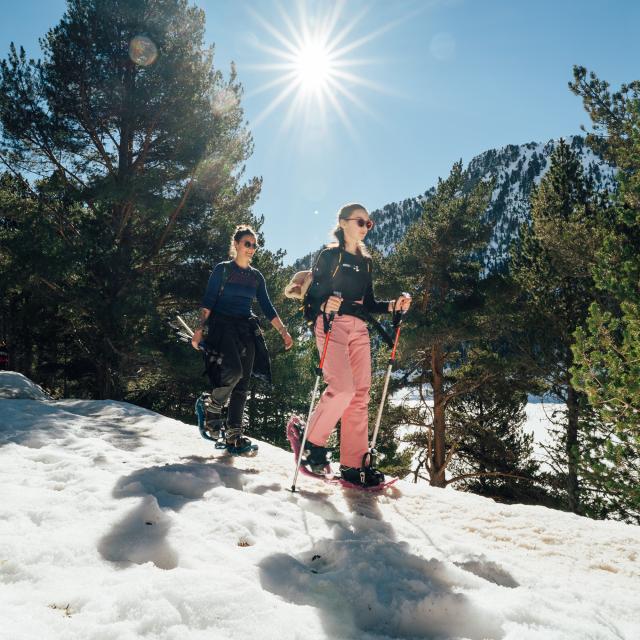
(366, 477)
(236, 444)
(315, 459)
(240, 446)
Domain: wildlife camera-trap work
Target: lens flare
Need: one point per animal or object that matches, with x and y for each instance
(143, 51)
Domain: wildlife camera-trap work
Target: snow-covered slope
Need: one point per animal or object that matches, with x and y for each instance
(118, 523)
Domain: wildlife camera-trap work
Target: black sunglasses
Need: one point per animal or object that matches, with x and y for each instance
(363, 223)
(250, 245)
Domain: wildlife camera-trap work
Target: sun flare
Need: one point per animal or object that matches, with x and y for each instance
(309, 68)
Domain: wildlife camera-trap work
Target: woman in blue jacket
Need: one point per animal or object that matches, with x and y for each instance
(233, 331)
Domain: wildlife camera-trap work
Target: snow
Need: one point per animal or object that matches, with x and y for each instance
(15, 385)
(119, 523)
(541, 417)
(540, 420)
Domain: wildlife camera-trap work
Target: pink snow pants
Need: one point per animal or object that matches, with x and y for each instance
(347, 372)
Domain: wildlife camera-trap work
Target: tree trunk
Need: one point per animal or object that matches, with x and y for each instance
(102, 380)
(27, 340)
(439, 428)
(573, 455)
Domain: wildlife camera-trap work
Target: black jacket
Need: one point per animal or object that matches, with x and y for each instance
(245, 328)
(337, 271)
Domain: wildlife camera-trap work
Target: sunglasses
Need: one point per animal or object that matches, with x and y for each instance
(250, 245)
(363, 223)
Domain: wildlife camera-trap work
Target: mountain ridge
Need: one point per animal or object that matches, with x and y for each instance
(516, 169)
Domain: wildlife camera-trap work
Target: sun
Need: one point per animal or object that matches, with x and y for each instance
(313, 67)
(310, 68)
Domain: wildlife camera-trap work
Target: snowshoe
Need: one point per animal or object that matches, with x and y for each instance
(240, 446)
(295, 430)
(364, 478)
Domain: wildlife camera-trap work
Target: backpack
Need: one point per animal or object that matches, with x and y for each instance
(299, 285)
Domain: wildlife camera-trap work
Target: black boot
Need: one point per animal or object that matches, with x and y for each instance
(210, 421)
(315, 457)
(239, 444)
(363, 476)
(213, 420)
(236, 443)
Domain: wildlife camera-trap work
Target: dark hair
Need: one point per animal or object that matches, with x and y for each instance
(338, 233)
(241, 231)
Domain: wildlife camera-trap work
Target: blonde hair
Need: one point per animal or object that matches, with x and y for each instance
(239, 233)
(338, 233)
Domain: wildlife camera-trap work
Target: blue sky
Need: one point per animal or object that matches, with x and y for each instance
(439, 80)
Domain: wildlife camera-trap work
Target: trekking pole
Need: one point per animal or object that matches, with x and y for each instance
(315, 391)
(397, 323)
(185, 325)
(187, 334)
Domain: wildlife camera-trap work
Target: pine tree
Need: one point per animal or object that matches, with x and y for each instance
(437, 262)
(139, 144)
(607, 350)
(552, 268)
(494, 455)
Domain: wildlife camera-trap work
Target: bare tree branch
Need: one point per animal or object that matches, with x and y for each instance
(485, 474)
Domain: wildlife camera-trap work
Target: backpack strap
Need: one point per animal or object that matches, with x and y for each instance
(226, 274)
(305, 308)
(325, 317)
(338, 263)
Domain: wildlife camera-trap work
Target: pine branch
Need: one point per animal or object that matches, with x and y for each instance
(38, 198)
(175, 215)
(84, 122)
(138, 163)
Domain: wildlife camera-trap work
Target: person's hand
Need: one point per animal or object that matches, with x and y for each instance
(197, 339)
(288, 340)
(405, 302)
(332, 304)
(401, 304)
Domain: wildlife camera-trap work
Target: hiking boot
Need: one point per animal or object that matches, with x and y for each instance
(363, 476)
(210, 421)
(234, 438)
(315, 457)
(239, 445)
(213, 421)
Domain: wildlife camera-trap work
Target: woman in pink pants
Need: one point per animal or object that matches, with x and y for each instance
(342, 284)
